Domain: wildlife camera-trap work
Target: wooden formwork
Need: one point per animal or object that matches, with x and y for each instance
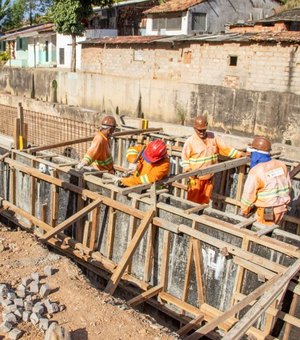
(260, 268)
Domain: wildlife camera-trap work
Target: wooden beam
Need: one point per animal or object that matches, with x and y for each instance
(116, 277)
(200, 172)
(145, 296)
(189, 326)
(88, 139)
(240, 328)
(234, 309)
(65, 224)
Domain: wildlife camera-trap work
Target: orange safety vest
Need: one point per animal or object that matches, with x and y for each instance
(200, 153)
(268, 185)
(99, 153)
(146, 173)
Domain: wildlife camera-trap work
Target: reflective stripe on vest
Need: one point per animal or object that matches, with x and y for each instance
(203, 160)
(107, 161)
(274, 193)
(145, 179)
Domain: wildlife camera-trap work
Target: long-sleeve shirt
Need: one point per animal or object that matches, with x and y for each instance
(268, 185)
(200, 153)
(146, 173)
(99, 153)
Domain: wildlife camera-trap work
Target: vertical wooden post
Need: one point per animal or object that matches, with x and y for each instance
(32, 190)
(149, 253)
(17, 133)
(21, 126)
(292, 311)
(44, 212)
(12, 183)
(165, 260)
(54, 201)
(240, 185)
(131, 231)
(80, 205)
(86, 233)
(111, 228)
(94, 229)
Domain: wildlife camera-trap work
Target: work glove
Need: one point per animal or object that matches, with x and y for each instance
(132, 167)
(80, 166)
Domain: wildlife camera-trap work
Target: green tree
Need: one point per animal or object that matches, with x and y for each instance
(69, 17)
(4, 8)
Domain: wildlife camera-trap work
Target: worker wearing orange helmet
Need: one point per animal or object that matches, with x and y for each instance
(200, 151)
(99, 153)
(267, 186)
(153, 165)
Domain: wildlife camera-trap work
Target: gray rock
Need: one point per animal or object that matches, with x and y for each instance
(45, 290)
(11, 318)
(26, 316)
(28, 305)
(15, 334)
(34, 287)
(35, 277)
(44, 324)
(56, 331)
(26, 281)
(11, 295)
(6, 326)
(49, 270)
(35, 318)
(38, 308)
(19, 302)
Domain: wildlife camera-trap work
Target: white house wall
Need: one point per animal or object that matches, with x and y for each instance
(65, 41)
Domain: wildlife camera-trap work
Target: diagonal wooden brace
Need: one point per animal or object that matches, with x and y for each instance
(65, 224)
(142, 228)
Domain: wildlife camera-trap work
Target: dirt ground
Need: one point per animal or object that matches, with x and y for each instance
(88, 313)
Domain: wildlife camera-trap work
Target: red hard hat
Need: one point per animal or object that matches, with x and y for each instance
(155, 151)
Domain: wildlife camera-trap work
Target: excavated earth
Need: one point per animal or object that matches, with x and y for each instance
(86, 312)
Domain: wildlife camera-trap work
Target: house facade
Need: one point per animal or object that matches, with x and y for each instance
(176, 17)
(34, 46)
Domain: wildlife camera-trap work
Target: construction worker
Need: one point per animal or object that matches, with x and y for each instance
(152, 165)
(267, 186)
(99, 153)
(200, 151)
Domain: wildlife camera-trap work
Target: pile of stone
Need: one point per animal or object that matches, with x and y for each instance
(27, 303)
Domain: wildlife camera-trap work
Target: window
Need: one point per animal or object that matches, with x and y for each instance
(199, 22)
(233, 60)
(173, 24)
(62, 56)
(47, 50)
(158, 23)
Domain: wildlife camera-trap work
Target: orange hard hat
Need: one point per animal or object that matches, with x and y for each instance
(109, 121)
(261, 143)
(200, 122)
(155, 151)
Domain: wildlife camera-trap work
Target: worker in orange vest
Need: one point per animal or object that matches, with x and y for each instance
(99, 153)
(200, 151)
(152, 165)
(267, 186)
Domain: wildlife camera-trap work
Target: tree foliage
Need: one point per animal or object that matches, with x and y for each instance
(25, 12)
(69, 18)
(4, 8)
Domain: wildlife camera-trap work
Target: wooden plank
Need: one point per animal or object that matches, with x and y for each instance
(200, 172)
(111, 227)
(189, 326)
(199, 270)
(72, 219)
(234, 309)
(86, 232)
(149, 255)
(116, 277)
(132, 228)
(88, 139)
(265, 230)
(187, 278)
(80, 204)
(32, 190)
(164, 271)
(292, 311)
(145, 296)
(54, 201)
(94, 230)
(263, 303)
(196, 209)
(240, 185)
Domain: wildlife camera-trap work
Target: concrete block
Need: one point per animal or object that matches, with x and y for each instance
(6, 303)
(35, 277)
(33, 287)
(49, 270)
(26, 281)
(21, 287)
(11, 295)
(21, 294)
(11, 318)
(35, 318)
(3, 290)
(45, 290)
(15, 334)
(19, 313)
(28, 305)
(19, 302)
(53, 308)
(38, 308)
(10, 309)
(44, 324)
(6, 326)
(26, 316)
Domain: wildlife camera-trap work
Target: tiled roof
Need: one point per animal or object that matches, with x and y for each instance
(276, 37)
(28, 31)
(290, 15)
(173, 6)
(129, 39)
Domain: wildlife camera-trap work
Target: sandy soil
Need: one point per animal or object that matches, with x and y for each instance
(89, 313)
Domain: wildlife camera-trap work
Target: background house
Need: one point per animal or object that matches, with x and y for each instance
(175, 17)
(33, 46)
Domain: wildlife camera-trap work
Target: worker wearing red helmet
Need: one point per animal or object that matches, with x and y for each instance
(99, 153)
(267, 186)
(200, 151)
(153, 165)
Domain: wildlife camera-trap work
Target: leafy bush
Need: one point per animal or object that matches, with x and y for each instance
(4, 56)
